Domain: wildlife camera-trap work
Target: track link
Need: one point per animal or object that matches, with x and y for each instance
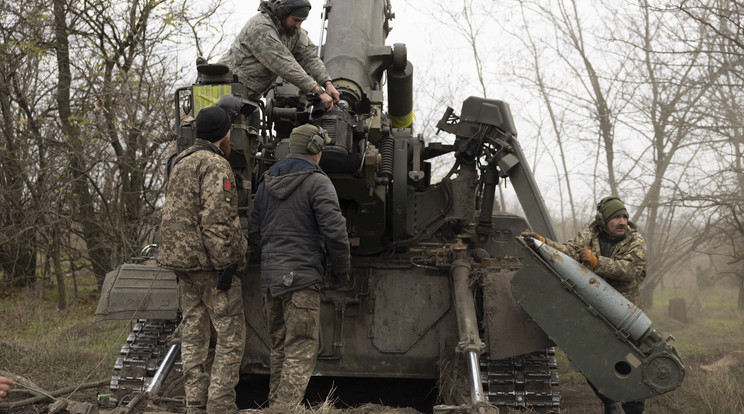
(140, 357)
(525, 381)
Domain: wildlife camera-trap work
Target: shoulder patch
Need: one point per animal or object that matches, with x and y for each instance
(639, 253)
(226, 187)
(639, 237)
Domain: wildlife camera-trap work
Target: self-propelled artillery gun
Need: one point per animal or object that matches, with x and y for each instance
(432, 262)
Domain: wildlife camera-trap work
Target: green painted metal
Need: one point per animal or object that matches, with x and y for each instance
(620, 369)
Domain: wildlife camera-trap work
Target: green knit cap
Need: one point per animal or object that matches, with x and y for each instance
(299, 138)
(611, 207)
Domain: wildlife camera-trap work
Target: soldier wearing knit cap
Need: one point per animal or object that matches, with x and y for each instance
(614, 249)
(212, 123)
(201, 240)
(297, 226)
(272, 44)
(609, 208)
(308, 139)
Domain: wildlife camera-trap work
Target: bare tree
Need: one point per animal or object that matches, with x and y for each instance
(649, 87)
(724, 197)
(86, 96)
(590, 95)
(23, 106)
(122, 94)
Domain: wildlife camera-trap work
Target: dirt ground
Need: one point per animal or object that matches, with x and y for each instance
(576, 396)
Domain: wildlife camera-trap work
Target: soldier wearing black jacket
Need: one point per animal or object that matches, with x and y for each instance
(297, 226)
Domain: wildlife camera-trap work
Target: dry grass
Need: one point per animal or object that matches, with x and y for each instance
(714, 330)
(57, 349)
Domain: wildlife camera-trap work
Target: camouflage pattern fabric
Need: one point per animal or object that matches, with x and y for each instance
(293, 320)
(624, 269)
(200, 227)
(263, 50)
(200, 234)
(199, 305)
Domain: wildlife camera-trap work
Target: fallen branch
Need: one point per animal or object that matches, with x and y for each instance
(54, 394)
(28, 385)
(15, 346)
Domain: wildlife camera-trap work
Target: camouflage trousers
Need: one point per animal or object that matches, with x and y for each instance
(200, 305)
(293, 320)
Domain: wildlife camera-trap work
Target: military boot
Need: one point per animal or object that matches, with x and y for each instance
(633, 407)
(612, 408)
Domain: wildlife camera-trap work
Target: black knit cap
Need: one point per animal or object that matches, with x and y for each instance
(212, 123)
(300, 12)
(297, 8)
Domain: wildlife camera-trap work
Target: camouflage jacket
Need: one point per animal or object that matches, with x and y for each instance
(296, 224)
(200, 228)
(263, 50)
(624, 269)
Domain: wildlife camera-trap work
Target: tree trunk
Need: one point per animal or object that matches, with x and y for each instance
(95, 240)
(61, 295)
(73, 270)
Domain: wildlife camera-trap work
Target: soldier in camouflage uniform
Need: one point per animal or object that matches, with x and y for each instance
(614, 249)
(296, 225)
(272, 44)
(201, 240)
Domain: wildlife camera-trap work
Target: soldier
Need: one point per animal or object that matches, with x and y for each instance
(614, 249)
(296, 225)
(202, 242)
(272, 43)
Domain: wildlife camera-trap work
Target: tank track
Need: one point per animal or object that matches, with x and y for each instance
(140, 357)
(525, 381)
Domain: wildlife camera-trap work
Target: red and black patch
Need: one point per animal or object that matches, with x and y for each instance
(226, 187)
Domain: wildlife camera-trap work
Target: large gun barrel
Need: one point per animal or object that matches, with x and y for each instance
(356, 24)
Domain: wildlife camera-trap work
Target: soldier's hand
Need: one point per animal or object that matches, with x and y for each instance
(331, 90)
(327, 100)
(588, 258)
(530, 237)
(339, 280)
(5, 387)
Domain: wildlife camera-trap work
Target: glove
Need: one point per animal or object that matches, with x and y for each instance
(339, 280)
(588, 258)
(224, 277)
(530, 237)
